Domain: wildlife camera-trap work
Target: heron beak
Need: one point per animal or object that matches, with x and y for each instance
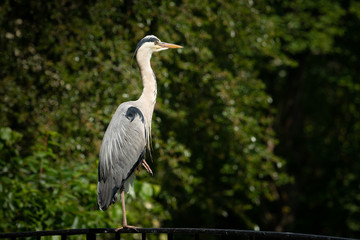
(169, 45)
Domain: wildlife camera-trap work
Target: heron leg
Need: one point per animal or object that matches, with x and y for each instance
(147, 167)
(122, 195)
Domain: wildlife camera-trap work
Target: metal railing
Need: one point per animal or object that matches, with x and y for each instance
(91, 234)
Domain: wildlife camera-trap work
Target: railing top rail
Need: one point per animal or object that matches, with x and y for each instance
(195, 231)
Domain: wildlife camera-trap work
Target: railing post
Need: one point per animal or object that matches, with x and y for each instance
(117, 236)
(143, 236)
(91, 236)
(170, 236)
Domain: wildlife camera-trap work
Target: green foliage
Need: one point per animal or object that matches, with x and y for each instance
(256, 123)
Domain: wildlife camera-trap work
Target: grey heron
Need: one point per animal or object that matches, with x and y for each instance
(124, 143)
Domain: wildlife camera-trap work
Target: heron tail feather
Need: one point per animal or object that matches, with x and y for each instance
(106, 194)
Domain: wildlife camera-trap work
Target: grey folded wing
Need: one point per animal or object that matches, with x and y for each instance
(122, 150)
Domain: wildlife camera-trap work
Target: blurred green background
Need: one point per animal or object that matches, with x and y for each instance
(257, 122)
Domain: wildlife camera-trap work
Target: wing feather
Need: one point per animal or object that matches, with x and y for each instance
(122, 150)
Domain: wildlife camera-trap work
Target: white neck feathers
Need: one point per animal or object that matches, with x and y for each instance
(148, 96)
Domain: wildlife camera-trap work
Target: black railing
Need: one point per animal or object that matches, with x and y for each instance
(195, 233)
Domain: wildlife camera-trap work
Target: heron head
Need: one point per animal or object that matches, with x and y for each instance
(151, 43)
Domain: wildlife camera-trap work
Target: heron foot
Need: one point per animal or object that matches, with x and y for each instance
(147, 167)
(127, 227)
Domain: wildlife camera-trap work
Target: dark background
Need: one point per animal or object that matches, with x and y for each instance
(257, 122)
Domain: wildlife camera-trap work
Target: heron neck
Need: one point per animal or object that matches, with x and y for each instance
(149, 93)
(147, 99)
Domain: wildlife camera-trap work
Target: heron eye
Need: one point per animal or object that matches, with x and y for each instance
(156, 42)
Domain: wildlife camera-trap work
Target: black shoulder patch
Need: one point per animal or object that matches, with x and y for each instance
(132, 112)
